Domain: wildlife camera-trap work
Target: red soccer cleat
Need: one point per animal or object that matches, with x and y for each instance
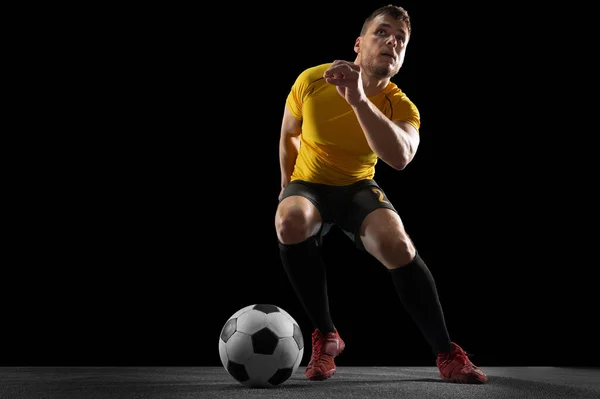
(455, 366)
(324, 349)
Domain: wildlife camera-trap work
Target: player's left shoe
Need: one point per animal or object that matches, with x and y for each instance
(455, 366)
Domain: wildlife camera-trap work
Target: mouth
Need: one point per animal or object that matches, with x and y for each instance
(389, 55)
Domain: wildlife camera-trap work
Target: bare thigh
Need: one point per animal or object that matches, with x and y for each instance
(383, 236)
(296, 220)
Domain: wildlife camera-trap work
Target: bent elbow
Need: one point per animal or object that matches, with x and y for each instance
(400, 162)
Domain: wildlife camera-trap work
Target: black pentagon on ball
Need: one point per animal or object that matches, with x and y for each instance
(298, 337)
(228, 329)
(281, 375)
(266, 308)
(237, 371)
(264, 341)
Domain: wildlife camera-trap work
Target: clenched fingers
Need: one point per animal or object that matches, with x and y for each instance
(340, 71)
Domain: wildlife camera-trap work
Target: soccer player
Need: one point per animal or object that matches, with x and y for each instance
(339, 119)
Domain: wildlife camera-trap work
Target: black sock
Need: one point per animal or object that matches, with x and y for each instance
(306, 271)
(416, 287)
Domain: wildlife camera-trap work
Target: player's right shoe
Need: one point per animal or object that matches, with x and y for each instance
(325, 347)
(455, 366)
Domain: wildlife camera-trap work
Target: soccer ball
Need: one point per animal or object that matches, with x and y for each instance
(261, 346)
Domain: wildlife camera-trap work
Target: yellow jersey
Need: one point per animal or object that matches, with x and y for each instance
(333, 148)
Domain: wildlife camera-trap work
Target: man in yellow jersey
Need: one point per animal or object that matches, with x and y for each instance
(339, 119)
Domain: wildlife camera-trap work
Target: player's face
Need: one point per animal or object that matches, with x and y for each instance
(383, 46)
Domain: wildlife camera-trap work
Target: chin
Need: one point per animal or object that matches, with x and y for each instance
(383, 72)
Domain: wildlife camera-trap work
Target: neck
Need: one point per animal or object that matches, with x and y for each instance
(371, 84)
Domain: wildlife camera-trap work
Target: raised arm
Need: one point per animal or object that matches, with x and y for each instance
(395, 143)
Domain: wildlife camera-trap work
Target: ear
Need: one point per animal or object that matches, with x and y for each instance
(357, 45)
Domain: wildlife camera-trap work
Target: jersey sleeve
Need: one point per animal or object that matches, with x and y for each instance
(303, 87)
(296, 95)
(405, 110)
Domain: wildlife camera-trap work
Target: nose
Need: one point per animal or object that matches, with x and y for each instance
(392, 41)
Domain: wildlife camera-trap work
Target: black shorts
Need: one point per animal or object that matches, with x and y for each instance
(343, 206)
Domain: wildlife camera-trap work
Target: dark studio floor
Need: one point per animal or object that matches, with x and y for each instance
(348, 382)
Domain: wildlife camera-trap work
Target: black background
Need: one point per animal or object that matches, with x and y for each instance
(152, 222)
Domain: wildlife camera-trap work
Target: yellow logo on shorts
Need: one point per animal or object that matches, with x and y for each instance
(380, 194)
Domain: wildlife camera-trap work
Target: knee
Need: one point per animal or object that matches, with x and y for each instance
(403, 253)
(293, 227)
(394, 250)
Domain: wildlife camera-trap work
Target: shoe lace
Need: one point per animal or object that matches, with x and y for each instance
(317, 346)
(459, 356)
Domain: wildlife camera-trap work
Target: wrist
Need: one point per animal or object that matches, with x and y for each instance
(361, 104)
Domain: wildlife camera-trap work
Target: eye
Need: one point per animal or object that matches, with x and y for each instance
(381, 32)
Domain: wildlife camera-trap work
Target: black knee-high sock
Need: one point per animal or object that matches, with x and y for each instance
(417, 290)
(306, 271)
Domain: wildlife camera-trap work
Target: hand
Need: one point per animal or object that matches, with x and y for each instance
(283, 186)
(347, 79)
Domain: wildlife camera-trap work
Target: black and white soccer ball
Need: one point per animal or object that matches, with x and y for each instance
(261, 346)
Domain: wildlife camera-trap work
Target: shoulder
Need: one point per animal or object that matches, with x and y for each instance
(403, 108)
(396, 95)
(312, 74)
